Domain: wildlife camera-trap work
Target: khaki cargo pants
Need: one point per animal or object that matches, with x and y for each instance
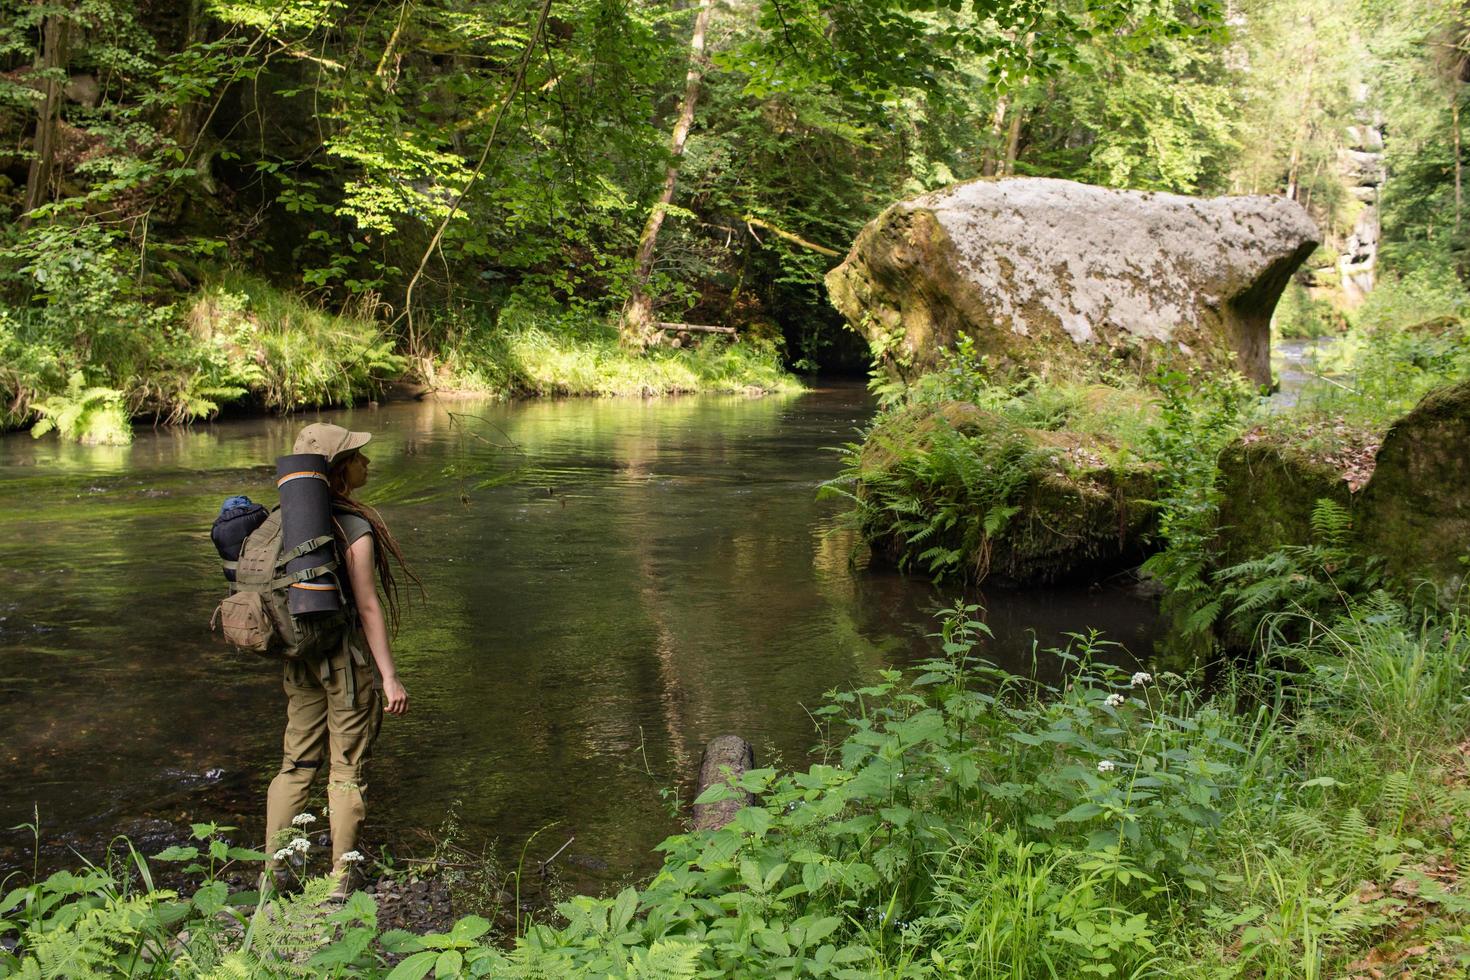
(333, 713)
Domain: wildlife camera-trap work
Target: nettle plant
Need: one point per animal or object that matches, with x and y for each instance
(882, 851)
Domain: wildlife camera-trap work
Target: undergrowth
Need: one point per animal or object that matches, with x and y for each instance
(83, 372)
(529, 349)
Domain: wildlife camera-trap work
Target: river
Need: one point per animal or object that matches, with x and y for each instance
(610, 583)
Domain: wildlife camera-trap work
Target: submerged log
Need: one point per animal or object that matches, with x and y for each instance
(694, 328)
(726, 758)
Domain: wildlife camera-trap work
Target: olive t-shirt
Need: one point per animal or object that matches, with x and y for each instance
(353, 527)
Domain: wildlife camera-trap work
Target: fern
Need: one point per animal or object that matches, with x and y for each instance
(92, 414)
(284, 933)
(667, 959)
(1331, 523)
(90, 943)
(1354, 838)
(1393, 800)
(1305, 827)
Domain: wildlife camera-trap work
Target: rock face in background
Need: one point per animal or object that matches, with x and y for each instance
(1052, 276)
(1361, 165)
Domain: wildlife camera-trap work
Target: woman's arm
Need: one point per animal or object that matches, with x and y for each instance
(374, 626)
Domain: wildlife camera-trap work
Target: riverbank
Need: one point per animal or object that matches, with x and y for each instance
(240, 344)
(965, 822)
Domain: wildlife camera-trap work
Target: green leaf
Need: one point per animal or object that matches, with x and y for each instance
(211, 898)
(177, 853)
(416, 967)
(715, 792)
(470, 928)
(1320, 781)
(400, 941)
(1080, 812)
(449, 963)
(623, 909)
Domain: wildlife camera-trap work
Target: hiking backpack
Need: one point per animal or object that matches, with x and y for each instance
(255, 616)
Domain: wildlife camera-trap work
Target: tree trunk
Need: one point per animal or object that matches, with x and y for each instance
(992, 145)
(1013, 143)
(52, 61)
(726, 759)
(1293, 169)
(1459, 167)
(638, 313)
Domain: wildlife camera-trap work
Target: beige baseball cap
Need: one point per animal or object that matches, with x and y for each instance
(329, 440)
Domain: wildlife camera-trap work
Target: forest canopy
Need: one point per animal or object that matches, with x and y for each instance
(439, 171)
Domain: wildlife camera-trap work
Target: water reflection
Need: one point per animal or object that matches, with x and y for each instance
(610, 584)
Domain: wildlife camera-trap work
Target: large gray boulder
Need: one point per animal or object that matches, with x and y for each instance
(1053, 276)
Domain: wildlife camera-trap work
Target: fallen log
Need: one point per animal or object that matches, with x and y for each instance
(694, 328)
(726, 759)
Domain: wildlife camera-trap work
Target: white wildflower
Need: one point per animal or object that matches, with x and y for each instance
(350, 857)
(1106, 765)
(302, 819)
(1142, 677)
(282, 854)
(1115, 700)
(300, 845)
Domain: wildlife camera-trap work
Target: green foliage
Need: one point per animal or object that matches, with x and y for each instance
(92, 416)
(533, 350)
(1295, 587)
(945, 503)
(1198, 416)
(1425, 292)
(1376, 374)
(1299, 316)
(948, 464)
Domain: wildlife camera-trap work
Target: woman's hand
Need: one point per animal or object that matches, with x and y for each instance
(395, 697)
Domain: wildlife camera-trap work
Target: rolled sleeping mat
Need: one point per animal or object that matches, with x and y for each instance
(237, 518)
(306, 533)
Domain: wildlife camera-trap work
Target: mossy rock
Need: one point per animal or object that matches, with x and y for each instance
(1439, 326)
(1051, 278)
(1413, 514)
(1076, 516)
(1415, 511)
(1269, 488)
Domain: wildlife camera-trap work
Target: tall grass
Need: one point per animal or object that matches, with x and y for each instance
(532, 350)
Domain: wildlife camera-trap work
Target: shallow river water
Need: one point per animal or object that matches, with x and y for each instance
(610, 584)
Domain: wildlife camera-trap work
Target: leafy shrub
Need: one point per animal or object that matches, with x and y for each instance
(93, 416)
(537, 348)
(1425, 291)
(1198, 416)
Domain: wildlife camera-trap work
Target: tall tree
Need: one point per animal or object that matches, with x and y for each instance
(638, 321)
(51, 68)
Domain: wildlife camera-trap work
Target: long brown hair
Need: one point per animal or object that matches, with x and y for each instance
(387, 545)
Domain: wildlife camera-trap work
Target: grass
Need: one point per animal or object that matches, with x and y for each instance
(531, 351)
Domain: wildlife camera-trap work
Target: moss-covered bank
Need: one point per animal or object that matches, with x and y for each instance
(1020, 492)
(241, 344)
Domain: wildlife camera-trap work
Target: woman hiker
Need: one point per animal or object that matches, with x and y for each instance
(333, 712)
